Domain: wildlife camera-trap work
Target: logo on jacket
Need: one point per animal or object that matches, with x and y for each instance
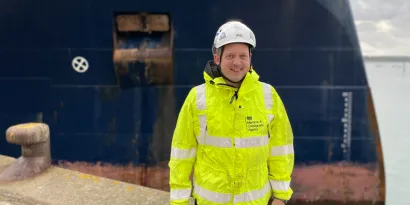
(253, 125)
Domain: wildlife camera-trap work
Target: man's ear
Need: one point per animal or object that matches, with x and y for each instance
(217, 59)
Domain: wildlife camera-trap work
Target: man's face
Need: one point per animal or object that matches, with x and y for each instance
(235, 61)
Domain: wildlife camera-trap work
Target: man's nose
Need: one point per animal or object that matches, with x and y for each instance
(236, 62)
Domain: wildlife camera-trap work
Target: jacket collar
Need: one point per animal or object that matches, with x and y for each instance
(213, 77)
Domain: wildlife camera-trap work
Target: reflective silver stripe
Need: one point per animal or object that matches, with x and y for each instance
(201, 105)
(279, 185)
(251, 142)
(281, 150)
(225, 198)
(222, 142)
(267, 94)
(270, 117)
(202, 129)
(200, 97)
(205, 139)
(183, 153)
(210, 140)
(212, 196)
(252, 195)
(180, 194)
(225, 142)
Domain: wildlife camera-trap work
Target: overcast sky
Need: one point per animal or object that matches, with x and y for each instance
(383, 26)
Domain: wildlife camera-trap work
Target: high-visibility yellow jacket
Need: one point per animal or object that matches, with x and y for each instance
(237, 142)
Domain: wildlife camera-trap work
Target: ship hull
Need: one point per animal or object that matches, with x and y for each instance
(121, 112)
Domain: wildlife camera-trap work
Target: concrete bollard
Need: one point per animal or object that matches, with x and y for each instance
(34, 139)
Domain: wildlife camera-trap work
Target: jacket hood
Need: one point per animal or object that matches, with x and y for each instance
(211, 71)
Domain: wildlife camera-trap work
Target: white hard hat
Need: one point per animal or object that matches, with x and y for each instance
(234, 32)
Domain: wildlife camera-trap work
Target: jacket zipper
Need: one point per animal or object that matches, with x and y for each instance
(235, 95)
(233, 143)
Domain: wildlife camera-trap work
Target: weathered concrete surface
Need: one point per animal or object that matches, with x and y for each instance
(10, 198)
(58, 186)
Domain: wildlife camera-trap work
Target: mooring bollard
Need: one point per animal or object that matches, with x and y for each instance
(34, 139)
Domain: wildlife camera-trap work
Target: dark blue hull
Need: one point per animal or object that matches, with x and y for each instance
(307, 49)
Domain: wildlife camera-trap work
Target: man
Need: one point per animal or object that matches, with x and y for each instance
(233, 132)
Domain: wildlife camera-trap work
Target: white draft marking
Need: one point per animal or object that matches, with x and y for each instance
(347, 124)
(80, 64)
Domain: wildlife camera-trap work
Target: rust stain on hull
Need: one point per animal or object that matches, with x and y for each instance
(314, 184)
(336, 182)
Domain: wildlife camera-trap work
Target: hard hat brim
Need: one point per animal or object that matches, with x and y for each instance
(234, 41)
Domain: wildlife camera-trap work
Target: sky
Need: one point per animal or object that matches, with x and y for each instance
(383, 26)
